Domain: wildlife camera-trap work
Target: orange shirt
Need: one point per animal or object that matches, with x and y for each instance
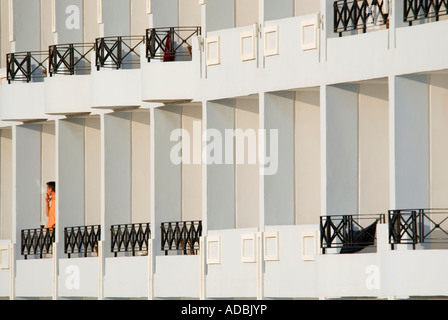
(52, 213)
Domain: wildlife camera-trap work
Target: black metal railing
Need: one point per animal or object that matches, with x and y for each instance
(70, 59)
(130, 238)
(348, 232)
(360, 15)
(81, 240)
(181, 236)
(418, 226)
(26, 66)
(118, 52)
(37, 242)
(424, 9)
(170, 44)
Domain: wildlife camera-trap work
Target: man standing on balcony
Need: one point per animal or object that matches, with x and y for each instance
(50, 204)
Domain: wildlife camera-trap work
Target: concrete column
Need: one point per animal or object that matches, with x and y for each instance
(166, 189)
(116, 18)
(339, 125)
(278, 176)
(116, 132)
(220, 168)
(409, 138)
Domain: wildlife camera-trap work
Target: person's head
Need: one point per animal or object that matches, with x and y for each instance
(51, 186)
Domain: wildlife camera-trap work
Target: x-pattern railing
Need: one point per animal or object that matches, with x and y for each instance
(348, 232)
(423, 9)
(131, 238)
(25, 66)
(183, 236)
(70, 58)
(359, 14)
(81, 240)
(418, 226)
(168, 44)
(37, 242)
(118, 52)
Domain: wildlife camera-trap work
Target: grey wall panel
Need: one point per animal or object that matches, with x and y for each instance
(69, 18)
(116, 17)
(278, 9)
(165, 13)
(27, 25)
(220, 14)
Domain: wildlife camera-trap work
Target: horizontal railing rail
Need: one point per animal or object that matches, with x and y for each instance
(81, 240)
(181, 236)
(70, 59)
(418, 226)
(118, 52)
(37, 242)
(170, 44)
(350, 233)
(415, 10)
(132, 238)
(26, 66)
(360, 15)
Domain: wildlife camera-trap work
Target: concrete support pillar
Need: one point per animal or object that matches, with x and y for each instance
(409, 138)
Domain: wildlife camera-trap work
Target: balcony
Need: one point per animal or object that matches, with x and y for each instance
(349, 233)
(37, 242)
(172, 71)
(69, 74)
(428, 10)
(426, 228)
(130, 239)
(82, 240)
(116, 83)
(361, 15)
(22, 98)
(182, 237)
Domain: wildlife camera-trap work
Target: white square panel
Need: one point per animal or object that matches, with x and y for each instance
(214, 250)
(213, 46)
(248, 248)
(271, 41)
(271, 246)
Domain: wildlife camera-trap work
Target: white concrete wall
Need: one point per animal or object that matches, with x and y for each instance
(33, 278)
(293, 274)
(78, 277)
(130, 284)
(177, 277)
(231, 277)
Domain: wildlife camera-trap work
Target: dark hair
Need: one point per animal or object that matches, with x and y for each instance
(52, 185)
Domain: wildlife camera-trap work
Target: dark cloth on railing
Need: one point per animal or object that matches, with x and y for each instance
(361, 239)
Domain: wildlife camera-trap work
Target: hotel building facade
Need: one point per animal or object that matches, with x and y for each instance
(140, 109)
